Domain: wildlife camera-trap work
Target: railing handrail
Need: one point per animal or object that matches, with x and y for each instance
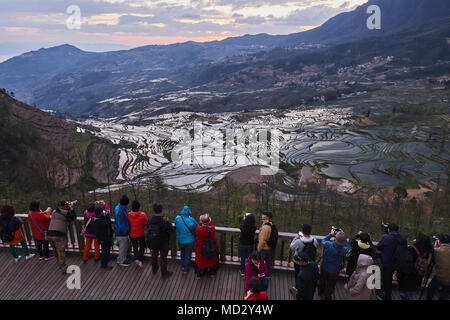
(223, 229)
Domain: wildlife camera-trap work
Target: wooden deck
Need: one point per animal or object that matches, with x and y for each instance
(42, 280)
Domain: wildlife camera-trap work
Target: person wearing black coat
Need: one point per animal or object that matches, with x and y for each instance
(247, 239)
(103, 232)
(409, 282)
(360, 244)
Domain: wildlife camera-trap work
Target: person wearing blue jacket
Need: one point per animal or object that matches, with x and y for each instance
(122, 230)
(333, 255)
(186, 226)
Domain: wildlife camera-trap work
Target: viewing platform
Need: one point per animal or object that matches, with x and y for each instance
(36, 279)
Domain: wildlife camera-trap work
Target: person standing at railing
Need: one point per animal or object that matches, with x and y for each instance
(360, 244)
(137, 220)
(104, 231)
(39, 225)
(441, 279)
(333, 255)
(267, 238)
(159, 228)
(388, 245)
(12, 233)
(122, 231)
(247, 239)
(57, 231)
(304, 242)
(206, 255)
(89, 234)
(185, 226)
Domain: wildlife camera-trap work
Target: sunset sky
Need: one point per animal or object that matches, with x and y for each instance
(120, 24)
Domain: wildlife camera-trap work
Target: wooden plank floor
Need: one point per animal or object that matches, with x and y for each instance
(41, 280)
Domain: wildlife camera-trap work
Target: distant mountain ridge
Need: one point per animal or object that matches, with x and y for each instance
(68, 79)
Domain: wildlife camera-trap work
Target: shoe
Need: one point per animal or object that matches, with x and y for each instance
(17, 259)
(107, 268)
(50, 257)
(154, 271)
(41, 257)
(97, 260)
(29, 256)
(139, 263)
(242, 273)
(269, 276)
(126, 263)
(185, 272)
(167, 275)
(85, 261)
(294, 291)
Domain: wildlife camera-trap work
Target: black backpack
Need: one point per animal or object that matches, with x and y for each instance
(403, 260)
(6, 234)
(154, 236)
(273, 239)
(310, 249)
(209, 250)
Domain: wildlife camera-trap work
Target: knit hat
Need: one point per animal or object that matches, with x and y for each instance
(340, 238)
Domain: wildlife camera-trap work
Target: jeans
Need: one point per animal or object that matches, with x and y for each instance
(124, 244)
(138, 248)
(163, 251)
(264, 284)
(106, 250)
(42, 248)
(434, 285)
(408, 294)
(186, 255)
(245, 251)
(12, 249)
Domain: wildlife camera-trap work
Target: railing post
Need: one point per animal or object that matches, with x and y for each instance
(27, 231)
(222, 246)
(232, 247)
(80, 237)
(281, 252)
(173, 244)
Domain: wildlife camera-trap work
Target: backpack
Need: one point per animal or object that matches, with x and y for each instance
(421, 264)
(403, 260)
(154, 236)
(272, 242)
(310, 250)
(6, 234)
(209, 250)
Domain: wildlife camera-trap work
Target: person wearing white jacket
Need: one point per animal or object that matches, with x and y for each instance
(357, 285)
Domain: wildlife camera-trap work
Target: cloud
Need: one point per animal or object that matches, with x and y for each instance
(136, 22)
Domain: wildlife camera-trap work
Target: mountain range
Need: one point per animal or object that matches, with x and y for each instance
(248, 72)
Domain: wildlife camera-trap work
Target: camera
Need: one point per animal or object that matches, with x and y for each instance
(435, 238)
(336, 230)
(385, 226)
(72, 203)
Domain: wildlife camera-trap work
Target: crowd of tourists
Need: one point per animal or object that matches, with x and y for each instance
(410, 265)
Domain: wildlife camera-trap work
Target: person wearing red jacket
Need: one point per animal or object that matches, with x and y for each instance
(39, 225)
(137, 220)
(255, 292)
(204, 230)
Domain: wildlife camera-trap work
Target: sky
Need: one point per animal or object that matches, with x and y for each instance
(106, 25)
